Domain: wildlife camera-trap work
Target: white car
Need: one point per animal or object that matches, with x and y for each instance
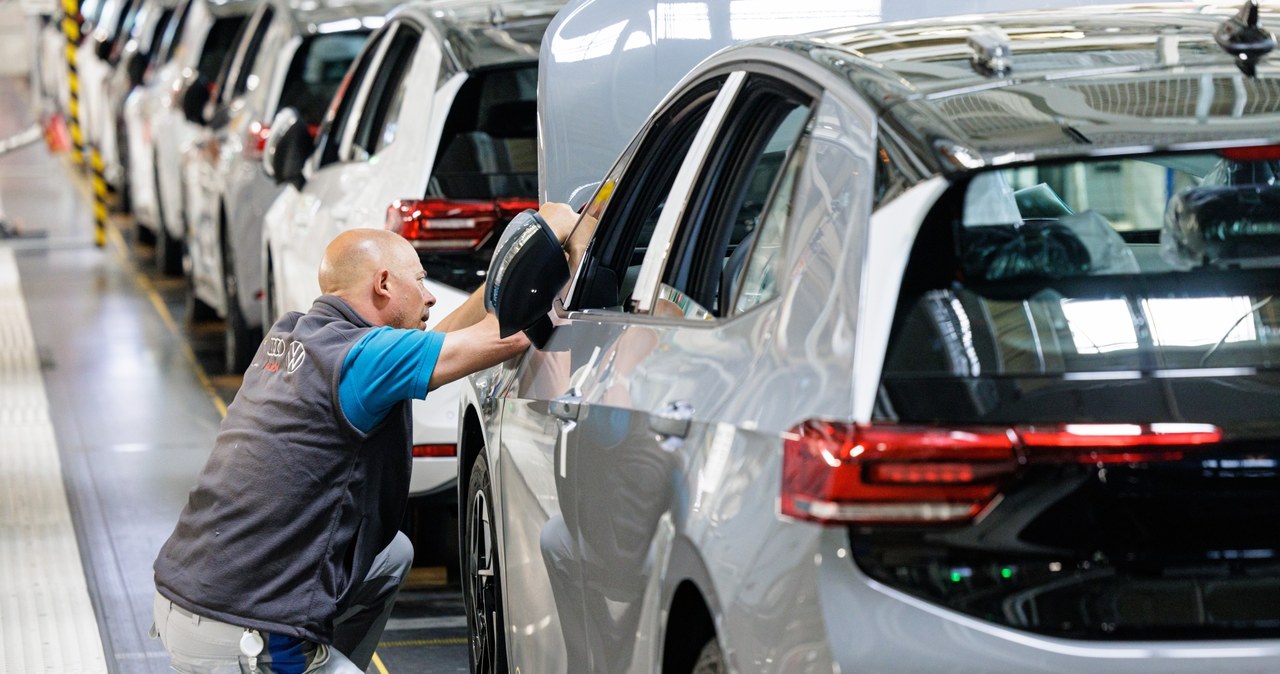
(433, 136)
(289, 55)
(132, 56)
(95, 64)
(196, 41)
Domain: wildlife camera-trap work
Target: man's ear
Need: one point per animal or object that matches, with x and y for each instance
(382, 283)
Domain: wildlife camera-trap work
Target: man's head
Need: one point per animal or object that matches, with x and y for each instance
(379, 274)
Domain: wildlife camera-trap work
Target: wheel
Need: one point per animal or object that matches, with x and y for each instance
(123, 204)
(197, 310)
(482, 576)
(168, 249)
(241, 340)
(710, 659)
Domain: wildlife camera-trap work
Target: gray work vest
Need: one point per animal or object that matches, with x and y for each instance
(294, 502)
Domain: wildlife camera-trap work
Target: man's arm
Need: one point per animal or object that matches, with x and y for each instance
(560, 217)
(474, 348)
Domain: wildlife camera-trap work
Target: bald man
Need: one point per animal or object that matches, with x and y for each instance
(288, 549)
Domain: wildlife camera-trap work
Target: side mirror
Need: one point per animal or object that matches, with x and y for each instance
(135, 67)
(194, 98)
(288, 146)
(102, 47)
(527, 270)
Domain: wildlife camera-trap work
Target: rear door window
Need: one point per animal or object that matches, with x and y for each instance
(317, 70)
(218, 44)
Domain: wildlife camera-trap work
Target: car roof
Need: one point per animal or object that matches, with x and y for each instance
(326, 16)
(483, 33)
(1080, 82)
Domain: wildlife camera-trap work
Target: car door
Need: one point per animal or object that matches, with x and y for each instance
(546, 484)
(346, 168)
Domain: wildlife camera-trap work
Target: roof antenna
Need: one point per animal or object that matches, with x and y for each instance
(1241, 37)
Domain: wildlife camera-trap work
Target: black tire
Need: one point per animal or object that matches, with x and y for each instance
(143, 234)
(481, 576)
(710, 659)
(270, 303)
(168, 249)
(197, 310)
(241, 340)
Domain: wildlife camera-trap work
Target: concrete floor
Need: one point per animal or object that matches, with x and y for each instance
(134, 403)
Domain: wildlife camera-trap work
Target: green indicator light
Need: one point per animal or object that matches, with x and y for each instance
(955, 576)
(1006, 572)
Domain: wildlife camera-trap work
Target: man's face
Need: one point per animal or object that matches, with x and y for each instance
(412, 302)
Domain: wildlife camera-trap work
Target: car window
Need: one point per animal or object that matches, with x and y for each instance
(743, 177)
(382, 106)
(489, 149)
(316, 71)
(330, 139)
(248, 55)
(625, 209)
(217, 44)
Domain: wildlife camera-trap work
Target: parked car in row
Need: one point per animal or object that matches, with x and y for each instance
(288, 55)
(942, 345)
(132, 60)
(195, 44)
(432, 136)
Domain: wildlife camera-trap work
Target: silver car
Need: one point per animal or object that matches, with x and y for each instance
(926, 346)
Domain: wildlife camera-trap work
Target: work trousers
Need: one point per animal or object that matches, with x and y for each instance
(200, 645)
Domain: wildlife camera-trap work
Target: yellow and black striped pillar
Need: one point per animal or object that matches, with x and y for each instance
(71, 23)
(99, 197)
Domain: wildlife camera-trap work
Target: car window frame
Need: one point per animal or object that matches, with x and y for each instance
(336, 130)
(382, 92)
(623, 190)
(701, 240)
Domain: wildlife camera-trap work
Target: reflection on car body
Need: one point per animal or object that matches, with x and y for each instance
(876, 358)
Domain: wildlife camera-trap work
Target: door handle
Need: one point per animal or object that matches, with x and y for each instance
(673, 421)
(566, 406)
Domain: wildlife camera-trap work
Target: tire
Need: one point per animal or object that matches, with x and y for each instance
(197, 310)
(710, 659)
(241, 340)
(168, 249)
(481, 576)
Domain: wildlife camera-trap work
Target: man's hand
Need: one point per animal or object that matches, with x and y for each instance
(560, 217)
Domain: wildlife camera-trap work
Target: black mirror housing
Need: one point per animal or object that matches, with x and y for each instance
(288, 147)
(135, 67)
(528, 269)
(194, 98)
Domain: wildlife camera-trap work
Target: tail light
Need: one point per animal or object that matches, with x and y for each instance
(255, 141)
(835, 472)
(434, 451)
(451, 225)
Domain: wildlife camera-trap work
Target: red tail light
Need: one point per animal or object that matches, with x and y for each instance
(888, 474)
(450, 225)
(255, 141)
(434, 451)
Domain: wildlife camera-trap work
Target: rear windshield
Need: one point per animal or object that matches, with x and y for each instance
(489, 148)
(1129, 289)
(316, 71)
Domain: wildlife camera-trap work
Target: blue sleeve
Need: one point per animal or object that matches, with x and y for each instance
(386, 366)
